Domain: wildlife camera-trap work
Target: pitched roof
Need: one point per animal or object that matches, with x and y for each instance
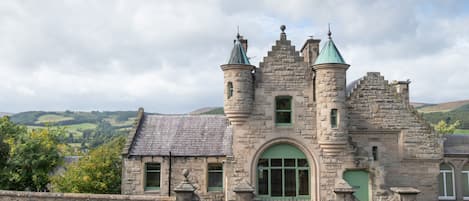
(238, 55)
(456, 144)
(329, 54)
(182, 135)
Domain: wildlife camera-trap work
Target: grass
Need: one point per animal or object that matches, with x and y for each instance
(52, 118)
(461, 131)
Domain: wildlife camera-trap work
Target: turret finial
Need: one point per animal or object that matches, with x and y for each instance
(237, 35)
(329, 33)
(283, 27)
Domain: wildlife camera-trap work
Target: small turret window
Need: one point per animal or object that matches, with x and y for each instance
(229, 89)
(334, 118)
(374, 152)
(283, 111)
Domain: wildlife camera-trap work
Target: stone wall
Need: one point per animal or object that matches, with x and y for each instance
(408, 148)
(42, 196)
(133, 175)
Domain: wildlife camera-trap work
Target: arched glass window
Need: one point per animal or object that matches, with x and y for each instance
(229, 89)
(446, 182)
(283, 171)
(465, 181)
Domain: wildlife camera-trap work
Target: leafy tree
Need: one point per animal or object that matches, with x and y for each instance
(28, 156)
(445, 128)
(97, 172)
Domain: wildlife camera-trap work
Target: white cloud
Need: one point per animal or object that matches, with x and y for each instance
(165, 55)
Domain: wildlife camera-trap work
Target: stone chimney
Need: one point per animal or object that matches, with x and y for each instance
(310, 50)
(402, 88)
(244, 43)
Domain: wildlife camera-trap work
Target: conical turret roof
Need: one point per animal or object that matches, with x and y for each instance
(238, 55)
(329, 54)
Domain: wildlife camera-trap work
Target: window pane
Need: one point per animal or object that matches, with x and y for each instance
(302, 163)
(303, 182)
(153, 179)
(276, 162)
(449, 184)
(283, 117)
(289, 162)
(283, 103)
(441, 184)
(263, 163)
(215, 179)
(465, 184)
(263, 182)
(153, 166)
(334, 118)
(290, 182)
(215, 167)
(276, 182)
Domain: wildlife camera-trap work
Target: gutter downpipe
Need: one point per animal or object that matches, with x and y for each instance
(169, 176)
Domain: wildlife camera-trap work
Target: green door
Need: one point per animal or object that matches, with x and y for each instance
(358, 179)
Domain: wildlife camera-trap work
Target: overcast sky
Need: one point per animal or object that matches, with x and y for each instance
(165, 55)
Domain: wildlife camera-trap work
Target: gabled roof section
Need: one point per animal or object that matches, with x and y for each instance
(238, 55)
(330, 54)
(182, 135)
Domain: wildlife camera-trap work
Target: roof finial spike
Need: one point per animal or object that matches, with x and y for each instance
(237, 35)
(329, 33)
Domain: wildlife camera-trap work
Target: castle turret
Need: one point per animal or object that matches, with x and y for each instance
(239, 88)
(331, 116)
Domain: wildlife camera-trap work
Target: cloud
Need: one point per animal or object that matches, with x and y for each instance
(165, 55)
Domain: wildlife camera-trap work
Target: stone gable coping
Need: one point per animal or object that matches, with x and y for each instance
(133, 132)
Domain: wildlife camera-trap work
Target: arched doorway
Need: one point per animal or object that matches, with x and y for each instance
(358, 180)
(283, 172)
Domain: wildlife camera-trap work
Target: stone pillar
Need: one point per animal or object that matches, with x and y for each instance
(405, 193)
(184, 191)
(244, 192)
(343, 191)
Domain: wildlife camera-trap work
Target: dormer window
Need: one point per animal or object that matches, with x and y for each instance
(283, 110)
(334, 114)
(229, 89)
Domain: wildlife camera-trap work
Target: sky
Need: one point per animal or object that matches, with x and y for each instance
(165, 56)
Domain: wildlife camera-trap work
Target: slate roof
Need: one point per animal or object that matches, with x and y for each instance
(456, 144)
(182, 135)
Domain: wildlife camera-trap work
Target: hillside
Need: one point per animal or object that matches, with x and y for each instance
(442, 107)
(4, 114)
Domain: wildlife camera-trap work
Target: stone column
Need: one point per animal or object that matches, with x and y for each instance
(405, 193)
(244, 192)
(184, 191)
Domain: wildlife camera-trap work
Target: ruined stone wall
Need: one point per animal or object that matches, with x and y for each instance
(411, 151)
(133, 175)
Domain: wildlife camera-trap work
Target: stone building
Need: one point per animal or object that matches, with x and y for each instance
(294, 130)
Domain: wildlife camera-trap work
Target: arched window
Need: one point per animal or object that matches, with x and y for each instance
(229, 89)
(446, 182)
(283, 171)
(465, 181)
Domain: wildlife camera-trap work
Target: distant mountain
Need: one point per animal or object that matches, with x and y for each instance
(443, 107)
(208, 110)
(5, 114)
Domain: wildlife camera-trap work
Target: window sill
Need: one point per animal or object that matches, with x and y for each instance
(215, 189)
(283, 125)
(152, 190)
(447, 198)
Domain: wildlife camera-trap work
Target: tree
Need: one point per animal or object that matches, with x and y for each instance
(446, 128)
(31, 156)
(97, 172)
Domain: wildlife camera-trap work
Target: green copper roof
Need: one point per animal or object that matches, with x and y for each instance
(238, 56)
(329, 54)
